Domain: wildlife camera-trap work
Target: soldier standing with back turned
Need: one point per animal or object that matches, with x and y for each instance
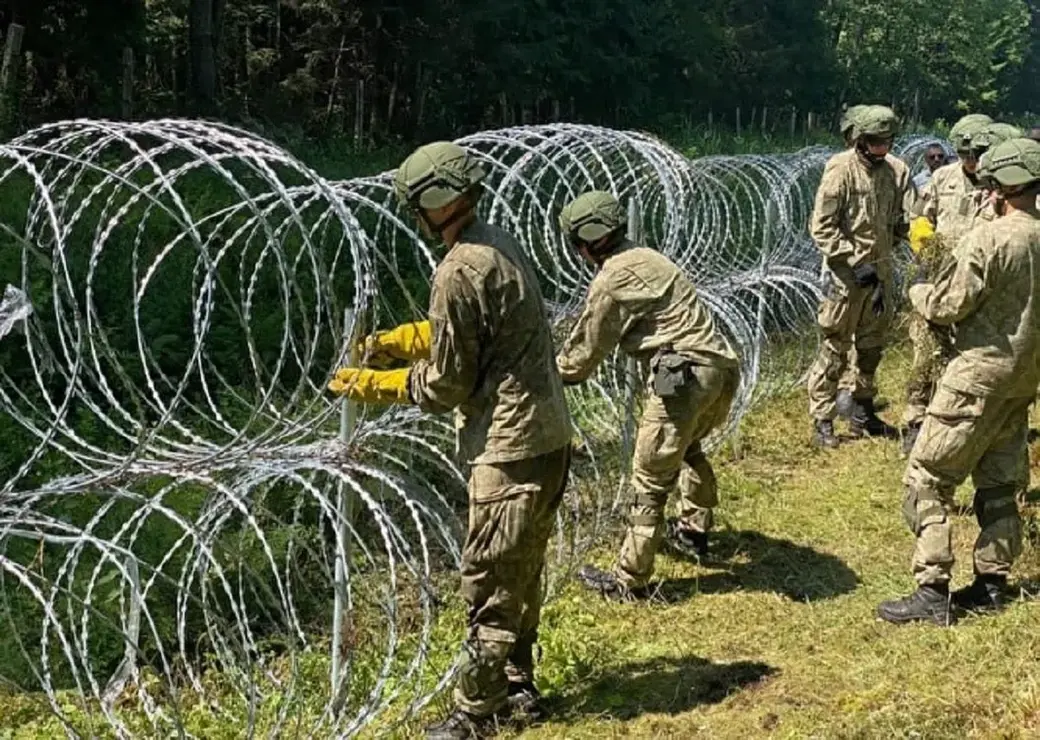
(977, 421)
(640, 300)
(486, 352)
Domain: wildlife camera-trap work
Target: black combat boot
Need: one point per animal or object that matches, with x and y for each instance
(526, 701)
(823, 434)
(985, 594)
(910, 436)
(608, 585)
(686, 541)
(865, 422)
(926, 604)
(461, 725)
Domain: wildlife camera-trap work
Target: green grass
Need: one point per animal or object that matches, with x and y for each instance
(775, 638)
(778, 638)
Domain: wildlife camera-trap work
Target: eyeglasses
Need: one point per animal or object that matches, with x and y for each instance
(935, 157)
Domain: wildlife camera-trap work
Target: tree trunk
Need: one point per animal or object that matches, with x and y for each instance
(203, 53)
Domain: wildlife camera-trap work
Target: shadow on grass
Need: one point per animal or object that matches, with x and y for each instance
(773, 565)
(659, 686)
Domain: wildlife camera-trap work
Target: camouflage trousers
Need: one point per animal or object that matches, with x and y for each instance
(846, 320)
(668, 451)
(963, 435)
(512, 508)
(932, 351)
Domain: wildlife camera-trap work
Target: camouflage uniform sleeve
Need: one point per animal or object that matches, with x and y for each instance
(825, 227)
(928, 202)
(907, 204)
(449, 377)
(597, 331)
(960, 286)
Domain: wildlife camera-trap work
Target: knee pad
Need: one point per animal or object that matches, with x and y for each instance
(868, 360)
(993, 504)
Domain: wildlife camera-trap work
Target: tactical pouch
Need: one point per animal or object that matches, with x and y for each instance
(671, 374)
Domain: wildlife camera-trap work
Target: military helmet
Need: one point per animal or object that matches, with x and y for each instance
(591, 216)
(878, 121)
(849, 118)
(992, 134)
(965, 128)
(1013, 163)
(436, 174)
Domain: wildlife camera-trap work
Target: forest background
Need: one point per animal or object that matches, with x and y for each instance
(332, 75)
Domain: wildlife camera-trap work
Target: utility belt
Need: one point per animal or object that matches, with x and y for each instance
(672, 373)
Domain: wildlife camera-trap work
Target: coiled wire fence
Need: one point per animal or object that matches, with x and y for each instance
(190, 516)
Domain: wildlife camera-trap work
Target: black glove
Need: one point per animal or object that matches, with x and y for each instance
(864, 275)
(877, 300)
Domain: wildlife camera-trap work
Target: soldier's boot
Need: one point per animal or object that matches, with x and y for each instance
(865, 422)
(845, 404)
(985, 594)
(460, 725)
(687, 541)
(823, 434)
(910, 436)
(525, 701)
(608, 585)
(926, 604)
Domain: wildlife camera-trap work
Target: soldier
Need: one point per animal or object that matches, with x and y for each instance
(857, 216)
(952, 206)
(487, 353)
(950, 199)
(977, 421)
(844, 403)
(641, 300)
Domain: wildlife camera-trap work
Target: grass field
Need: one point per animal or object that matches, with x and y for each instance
(778, 638)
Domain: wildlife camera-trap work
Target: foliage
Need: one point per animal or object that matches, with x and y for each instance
(929, 57)
(406, 70)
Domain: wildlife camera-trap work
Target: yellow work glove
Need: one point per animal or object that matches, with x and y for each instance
(371, 386)
(921, 229)
(407, 342)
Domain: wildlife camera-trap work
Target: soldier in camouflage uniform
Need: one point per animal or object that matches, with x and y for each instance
(847, 385)
(952, 204)
(857, 216)
(977, 420)
(643, 302)
(486, 353)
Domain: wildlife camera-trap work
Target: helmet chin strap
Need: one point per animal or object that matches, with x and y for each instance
(458, 215)
(872, 159)
(609, 245)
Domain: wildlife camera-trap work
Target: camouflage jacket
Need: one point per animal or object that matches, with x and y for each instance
(953, 203)
(642, 301)
(491, 357)
(990, 292)
(908, 190)
(858, 213)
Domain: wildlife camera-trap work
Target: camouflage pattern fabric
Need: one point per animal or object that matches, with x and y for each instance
(668, 450)
(977, 422)
(512, 509)
(642, 301)
(856, 216)
(492, 358)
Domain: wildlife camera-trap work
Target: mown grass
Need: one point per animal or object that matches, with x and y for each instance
(777, 637)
